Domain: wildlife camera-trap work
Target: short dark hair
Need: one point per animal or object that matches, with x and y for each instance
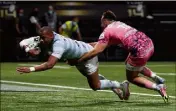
(109, 15)
(46, 28)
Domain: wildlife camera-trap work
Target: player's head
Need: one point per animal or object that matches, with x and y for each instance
(46, 34)
(107, 18)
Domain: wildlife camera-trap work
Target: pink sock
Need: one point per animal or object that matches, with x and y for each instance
(150, 85)
(143, 82)
(147, 72)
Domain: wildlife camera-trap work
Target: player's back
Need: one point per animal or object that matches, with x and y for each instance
(70, 48)
(136, 42)
(119, 31)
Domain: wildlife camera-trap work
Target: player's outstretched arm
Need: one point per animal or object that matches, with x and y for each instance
(92, 43)
(99, 47)
(45, 66)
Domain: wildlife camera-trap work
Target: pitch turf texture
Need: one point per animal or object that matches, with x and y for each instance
(55, 98)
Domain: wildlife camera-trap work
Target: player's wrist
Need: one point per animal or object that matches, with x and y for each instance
(32, 69)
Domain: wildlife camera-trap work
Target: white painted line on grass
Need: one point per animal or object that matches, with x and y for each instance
(167, 74)
(68, 87)
(62, 67)
(17, 87)
(151, 65)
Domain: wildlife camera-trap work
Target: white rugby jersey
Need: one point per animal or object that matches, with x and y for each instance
(67, 48)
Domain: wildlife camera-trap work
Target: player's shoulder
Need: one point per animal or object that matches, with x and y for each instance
(59, 37)
(107, 30)
(112, 26)
(58, 40)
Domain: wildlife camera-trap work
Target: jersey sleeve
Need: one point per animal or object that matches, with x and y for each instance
(58, 49)
(104, 37)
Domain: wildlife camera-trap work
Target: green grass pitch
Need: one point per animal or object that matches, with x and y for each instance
(67, 99)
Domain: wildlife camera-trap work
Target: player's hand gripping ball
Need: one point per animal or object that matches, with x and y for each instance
(35, 51)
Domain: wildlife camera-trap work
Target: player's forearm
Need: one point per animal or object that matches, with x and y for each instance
(88, 56)
(93, 43)
(43, 67)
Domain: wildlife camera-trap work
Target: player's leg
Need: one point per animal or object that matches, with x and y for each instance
(121, 89)
(150, 49)
(96, 84)
(97, 81)
(147, 72)
(132, 74)
(117, 91)
(135, 63)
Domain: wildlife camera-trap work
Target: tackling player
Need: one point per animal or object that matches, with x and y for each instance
(139, 46)
(67, 48)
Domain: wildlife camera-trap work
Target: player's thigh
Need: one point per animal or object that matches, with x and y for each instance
(88, 67)
(90, 70)
(131, 74)
(137, 63)
(134, 66)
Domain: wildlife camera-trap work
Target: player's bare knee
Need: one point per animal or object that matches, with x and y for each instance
(130, 78)
(95, 87)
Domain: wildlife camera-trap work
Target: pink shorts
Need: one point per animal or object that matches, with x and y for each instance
(140, 49)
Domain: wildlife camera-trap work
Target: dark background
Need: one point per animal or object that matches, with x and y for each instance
(161, 29)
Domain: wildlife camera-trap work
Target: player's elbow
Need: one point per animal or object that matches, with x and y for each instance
(50, 66)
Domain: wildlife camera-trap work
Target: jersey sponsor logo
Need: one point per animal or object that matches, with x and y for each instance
(37, 39)
(101, 36)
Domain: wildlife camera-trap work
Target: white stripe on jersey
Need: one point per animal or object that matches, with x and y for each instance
(67, 48)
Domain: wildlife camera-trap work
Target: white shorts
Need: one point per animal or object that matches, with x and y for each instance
(88, 67)
(134, 68)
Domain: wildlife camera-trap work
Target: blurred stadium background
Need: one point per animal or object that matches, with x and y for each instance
(32, 92)
(156, 19)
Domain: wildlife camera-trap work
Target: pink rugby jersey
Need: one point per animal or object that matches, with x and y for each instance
(134, 41)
